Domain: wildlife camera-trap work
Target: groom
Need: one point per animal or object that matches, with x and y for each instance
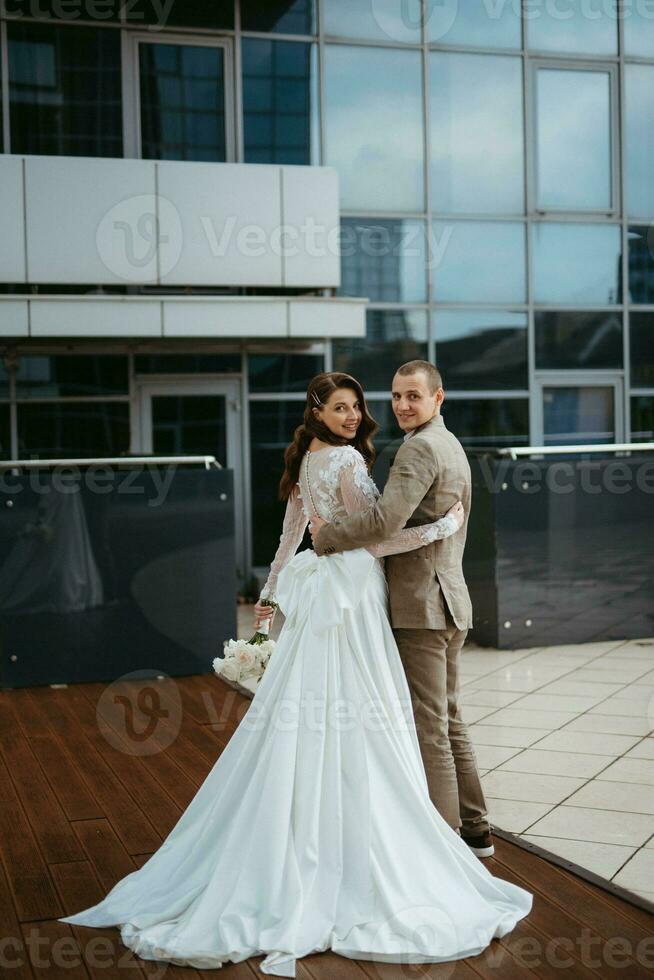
(429, 601)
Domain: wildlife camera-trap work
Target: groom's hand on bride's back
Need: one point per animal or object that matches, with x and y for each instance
(315, 524)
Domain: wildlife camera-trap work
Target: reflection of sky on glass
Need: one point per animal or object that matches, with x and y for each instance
(476, 133)
(576, 263)
(374, 20)
(481, 349)
(480, 261)
(572, 28)
(639, 140)
(573, 142)
(384, 259)
(473, 22)
(639, 31)
(453, 324)
(373, 126)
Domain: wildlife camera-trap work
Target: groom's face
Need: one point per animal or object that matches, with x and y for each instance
(413, 402)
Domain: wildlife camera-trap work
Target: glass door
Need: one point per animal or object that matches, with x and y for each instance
(573, 408)
(181, 98)
(189, 417)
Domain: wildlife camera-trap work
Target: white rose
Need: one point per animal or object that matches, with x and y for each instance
(229, 669)
(246, 658)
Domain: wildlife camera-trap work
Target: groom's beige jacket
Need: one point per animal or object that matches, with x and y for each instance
(429, 474)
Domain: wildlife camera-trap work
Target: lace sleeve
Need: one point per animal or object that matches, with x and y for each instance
(359, 492)
(293, 528)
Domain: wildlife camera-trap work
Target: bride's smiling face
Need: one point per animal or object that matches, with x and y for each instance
(341, 413)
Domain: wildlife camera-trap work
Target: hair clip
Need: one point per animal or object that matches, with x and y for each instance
(316, 399)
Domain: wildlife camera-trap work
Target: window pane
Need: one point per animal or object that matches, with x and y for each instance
(640, 240)
(639, 139)
(638, 23)
(384, 260)
(64, 90)
(476, 114)
(61, 375)
(56, 10)
(190, 425)
(190, 13)
(576, 263)
(573, 140)
(578, 414)
(373, 126)
(474, 23)
(578, 340)
(392, 337)
(271, 426)
(642, 419)
(5, 438)
(488, 421)
(283, 372)
(282, 16)
(72, 429)
(641, 336)
(572, 28)
(478, 261)
(280, 101)
(387, 440)
(182, 102)
(383, 20)
(187, 363)
(4, 379)
(477, 349)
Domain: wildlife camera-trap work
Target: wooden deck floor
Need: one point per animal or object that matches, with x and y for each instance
(82, 804)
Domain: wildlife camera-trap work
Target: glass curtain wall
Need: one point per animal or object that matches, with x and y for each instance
(495, 177)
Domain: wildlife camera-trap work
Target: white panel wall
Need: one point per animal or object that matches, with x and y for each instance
(12, 238)
(311, 220)
(94, 318)
(230, 215)
(197, 318)
(87, 221)
(90, 221)
(334, 318)
(210, 317)
(14, 318)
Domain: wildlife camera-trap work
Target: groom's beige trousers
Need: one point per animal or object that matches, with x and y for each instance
(431, 663)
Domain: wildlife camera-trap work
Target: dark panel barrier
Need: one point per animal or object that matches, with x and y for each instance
(559, 549)
(107, 571)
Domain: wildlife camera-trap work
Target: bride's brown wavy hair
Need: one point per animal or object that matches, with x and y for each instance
(318, 393)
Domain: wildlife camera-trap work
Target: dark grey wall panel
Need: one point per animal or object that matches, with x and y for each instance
(130, 570)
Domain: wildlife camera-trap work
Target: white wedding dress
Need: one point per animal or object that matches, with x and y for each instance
(314, 829)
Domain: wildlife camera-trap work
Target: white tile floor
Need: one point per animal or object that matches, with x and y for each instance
(564, 740)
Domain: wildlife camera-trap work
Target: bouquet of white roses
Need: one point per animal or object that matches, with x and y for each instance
(244, 661)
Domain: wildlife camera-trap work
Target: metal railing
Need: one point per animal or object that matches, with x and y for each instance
(32, 464)
(612, 447)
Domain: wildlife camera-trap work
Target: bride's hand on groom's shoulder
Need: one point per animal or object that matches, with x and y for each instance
(457, 512)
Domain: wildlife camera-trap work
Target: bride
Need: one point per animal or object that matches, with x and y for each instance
(314, 829)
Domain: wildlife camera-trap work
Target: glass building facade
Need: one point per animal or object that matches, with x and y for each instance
(497, 202)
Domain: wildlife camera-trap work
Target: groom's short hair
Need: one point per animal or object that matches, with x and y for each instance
(432, 374)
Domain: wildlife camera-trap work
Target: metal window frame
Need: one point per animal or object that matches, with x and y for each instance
(574, 64)
(131, 89)
(580, 379)
(147, 387)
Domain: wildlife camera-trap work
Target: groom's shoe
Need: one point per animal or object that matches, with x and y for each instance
(481, 844)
